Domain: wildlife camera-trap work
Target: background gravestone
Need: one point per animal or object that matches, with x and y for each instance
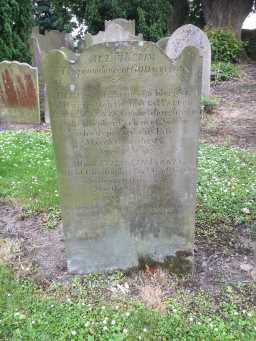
(128, 25)
(190, 35)
(19, 94)
(125, 123)
(115, 30)
(41, 45)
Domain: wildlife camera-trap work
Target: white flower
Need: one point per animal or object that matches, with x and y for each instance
(249, 314)
(235, 313)
(87, 324)
(127, 314)
(125, 331)
(105, 328)
(103, 307)
(191, 319)
(245, 210)
(105, 322)
(113, 322)
(145, 330)
(33, 322)
(73, 332)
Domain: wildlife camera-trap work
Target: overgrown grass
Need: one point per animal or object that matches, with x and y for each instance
(226, 189)
(26, 315)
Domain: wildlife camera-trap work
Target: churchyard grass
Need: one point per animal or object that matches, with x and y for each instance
(27, 314)
(226, 194)
(226, 191)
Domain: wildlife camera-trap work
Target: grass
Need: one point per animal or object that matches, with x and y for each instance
(226, 190)
(226, 193)
(26, 314)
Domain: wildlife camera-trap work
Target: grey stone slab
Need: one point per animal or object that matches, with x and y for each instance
(190, 35)
(114, 31)
(19, 93)
(125, 123)
(128, 25)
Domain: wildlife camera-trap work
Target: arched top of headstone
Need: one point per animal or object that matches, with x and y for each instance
(190, 35)
(17, 64)
(127, 25)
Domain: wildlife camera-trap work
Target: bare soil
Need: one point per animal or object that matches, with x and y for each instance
(234, 121)
(227, 257)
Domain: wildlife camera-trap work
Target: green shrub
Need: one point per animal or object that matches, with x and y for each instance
(208, 104)
(225, 46)
(15, 30)
(223, 71)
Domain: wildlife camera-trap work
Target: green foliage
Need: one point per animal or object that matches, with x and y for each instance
(196, 16)
(226, 178)
(15, 30)
(223, 71)
(26, 315)
(151, 16)
(225, 46)
(52, 15)
(208, 104)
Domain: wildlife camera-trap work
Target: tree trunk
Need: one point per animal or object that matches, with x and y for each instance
(179, 12)
(227, 13)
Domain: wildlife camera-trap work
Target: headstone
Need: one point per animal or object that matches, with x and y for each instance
(115, 30)
(190, 35)
(41, 45)
(162, 43)
(127, 25)
(19, 94)
(125, 123)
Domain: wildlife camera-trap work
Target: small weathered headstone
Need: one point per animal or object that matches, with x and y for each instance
(127, 25)
(190, 35)
(19, 94)
(41, 45)
(125, 123)
(115, 30)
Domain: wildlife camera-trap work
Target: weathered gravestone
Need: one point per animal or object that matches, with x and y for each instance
(127, 25)
(19, 94)
(125, 123)
(190, 35)
(41, 45)
(115, 30)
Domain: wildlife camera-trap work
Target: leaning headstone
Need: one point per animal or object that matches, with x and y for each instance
(19, 94)
(190, 35)
(125, 124)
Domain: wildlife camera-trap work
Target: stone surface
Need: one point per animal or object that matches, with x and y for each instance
(190, 35)
(125, 123)
(115, 30)
(41, 45)
(127, 25)
(19, 94)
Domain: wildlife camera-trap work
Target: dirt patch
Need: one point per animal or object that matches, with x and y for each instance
(225, 257)
(40, 251)
(234, 121)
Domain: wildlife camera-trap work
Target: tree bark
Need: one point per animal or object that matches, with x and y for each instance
(179, 13)
(227, 13)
